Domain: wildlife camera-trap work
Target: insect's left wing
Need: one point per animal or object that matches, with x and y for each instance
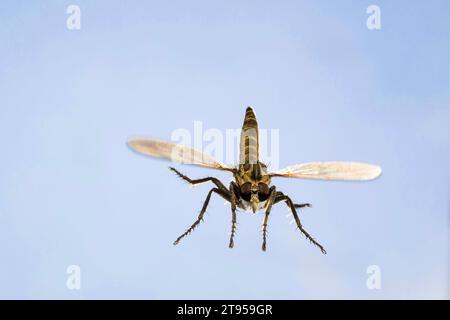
(174, 152)
(331, 171)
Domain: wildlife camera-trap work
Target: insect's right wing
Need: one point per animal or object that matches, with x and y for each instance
(331, 171)
(174, 152)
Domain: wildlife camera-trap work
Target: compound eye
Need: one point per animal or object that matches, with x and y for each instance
(246, 187)
(263, 188)
(246, 191)
(263, 192)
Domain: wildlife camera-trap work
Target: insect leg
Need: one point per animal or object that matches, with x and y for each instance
(280, 197)
(302, 205)
(270, 202)
(290, 204)
(202, 212)
(198, 181)
(233, 214)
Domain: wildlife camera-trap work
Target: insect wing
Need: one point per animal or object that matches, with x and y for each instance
(331, 171)
(174, 152)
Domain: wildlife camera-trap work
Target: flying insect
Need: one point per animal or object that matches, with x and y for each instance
(252, 188)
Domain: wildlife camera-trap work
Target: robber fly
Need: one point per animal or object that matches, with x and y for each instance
(252, 190)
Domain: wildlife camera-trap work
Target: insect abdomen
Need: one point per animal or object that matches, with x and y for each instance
(249, 148)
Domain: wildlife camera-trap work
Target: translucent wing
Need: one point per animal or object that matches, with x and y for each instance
(331, 171)
(174, 152)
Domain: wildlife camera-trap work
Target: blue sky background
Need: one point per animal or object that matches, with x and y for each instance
(71, 192)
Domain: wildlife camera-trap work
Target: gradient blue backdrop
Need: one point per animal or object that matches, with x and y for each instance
(71, 192)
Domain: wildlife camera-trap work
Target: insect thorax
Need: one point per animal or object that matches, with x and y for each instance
(253, 173)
